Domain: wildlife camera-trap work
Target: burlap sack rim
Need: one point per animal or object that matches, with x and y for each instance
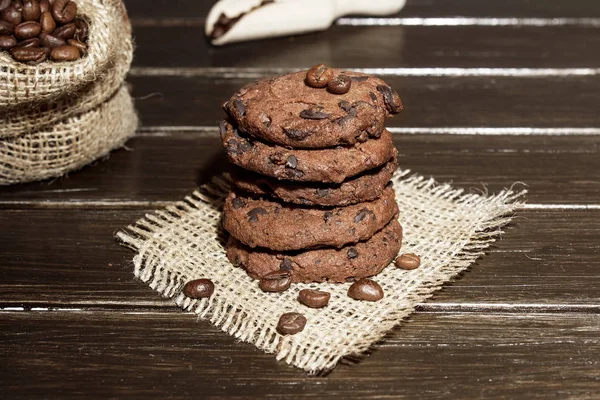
(241, 325)
(56, 79)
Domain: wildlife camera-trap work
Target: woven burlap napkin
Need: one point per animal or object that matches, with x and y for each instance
(447, 228)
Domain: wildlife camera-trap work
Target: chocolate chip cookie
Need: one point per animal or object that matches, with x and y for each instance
(324, 165)
(287, 111)
(283, 227)
(364, 187)
(351, 262)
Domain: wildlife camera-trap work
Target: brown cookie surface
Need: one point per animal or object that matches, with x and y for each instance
(260, 222)
(324, 165)
(286, 111)
(364, 187)
(355, 261)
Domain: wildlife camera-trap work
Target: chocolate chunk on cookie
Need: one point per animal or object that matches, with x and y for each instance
(283, 226)
(354, 261)
(286, 111)
(364, 187)
(324, 165)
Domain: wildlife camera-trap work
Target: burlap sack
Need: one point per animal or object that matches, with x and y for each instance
(447, 228)
(70, 144)
(22, 85)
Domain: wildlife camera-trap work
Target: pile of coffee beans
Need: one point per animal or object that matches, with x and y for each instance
(33, 31)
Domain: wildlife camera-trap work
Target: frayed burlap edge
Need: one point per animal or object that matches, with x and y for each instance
(22, 85)
(152, 237)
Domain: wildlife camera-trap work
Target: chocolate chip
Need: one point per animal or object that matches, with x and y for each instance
(276, 281)
(199, 288)
(408, 261)
(255, 212)
(312, 113)
(314, 298)
(319, 76)
(238, 146)
(322, 192)
(293, 173)
(238, 203)
(327, 216)
(291, 323)
(223, 128)
(362, 214)
(361, 78)
(366, 290)
(390, 98)
(292, 162)
(339, 85)
(296, 134)
(239, 106)
(352, 253)
(344, 120)
(345, 105)
(373, 97)
(286, 265)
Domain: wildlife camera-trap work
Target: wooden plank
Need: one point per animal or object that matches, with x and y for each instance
(428, 101)
(163, 9)
(433, 356)
(69, 257)
(363, 47)
(557, 169)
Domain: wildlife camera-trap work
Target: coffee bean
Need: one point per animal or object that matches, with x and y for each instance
(65, 53)
(276, 281)
(7, 42)
(29, 55)
(352, 253)
(408, 261)
(31, 10)
(292, 162)
(65, 32)
(82, 47)
(390, 98)
(238, 203)
(4, 4)
(12, 15)
(296, 134)
(366, 290)
(313, 114)
(51, 41)
(339, 85)
(254, 213)
(64, 11)
(199, 288)
(33, 42)
(286, 265)
(319, 76)
(291, 323)
(81, 29)
(313, 298)
(6, 28)
(44, 6)
(27, 30)
(47, 22)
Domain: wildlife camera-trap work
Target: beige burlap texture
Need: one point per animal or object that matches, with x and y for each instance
(70, 144)
(23, 85)
(447, 228)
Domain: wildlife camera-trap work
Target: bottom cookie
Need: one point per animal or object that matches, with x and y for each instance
(356, 261)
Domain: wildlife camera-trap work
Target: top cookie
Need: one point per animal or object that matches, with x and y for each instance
(285, 110)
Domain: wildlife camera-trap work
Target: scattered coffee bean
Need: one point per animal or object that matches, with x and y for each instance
(291, 323)
(390, 98)
(82, 47)
(319, 76)
(31, 10)
(27, 30)
(29, 55)
(286, 265)
(4, 4)
(238, 203)
(51, 41)
(291, 162)
(47, 22)
(366, 290)
(254, 213)
(65, 32)
(276, 281)
(313, 114)
(199, 288)
(352, 253)
(408, 261)
(81, 30)
(44, 6)
(12, 15)
(6, 28)
(65, 53)
(339, 85)
(240, 107)
(64, 11)
(296, 134)
(7, 42)
(33, 42)
(313, 298)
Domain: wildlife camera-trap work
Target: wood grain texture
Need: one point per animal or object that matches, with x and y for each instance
(428, 101)
(556, 169)
(69, 257)
(432, 356)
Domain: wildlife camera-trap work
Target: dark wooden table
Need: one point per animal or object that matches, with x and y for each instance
(510, 94)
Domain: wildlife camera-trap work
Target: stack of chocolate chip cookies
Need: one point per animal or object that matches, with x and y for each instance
(312, 200)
